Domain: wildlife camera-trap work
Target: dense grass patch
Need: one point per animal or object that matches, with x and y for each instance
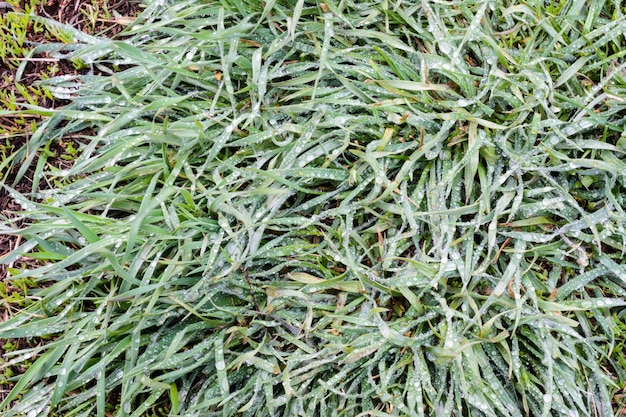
(339, 208)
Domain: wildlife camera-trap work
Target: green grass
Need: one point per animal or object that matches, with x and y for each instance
(345, 208)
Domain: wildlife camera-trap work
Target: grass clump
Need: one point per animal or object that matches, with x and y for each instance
(303, 208)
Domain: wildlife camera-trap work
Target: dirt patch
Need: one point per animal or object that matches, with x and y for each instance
(101, 17)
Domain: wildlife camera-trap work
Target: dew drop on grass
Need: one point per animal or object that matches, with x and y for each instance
(445, 48)
(63, 371)
(190, 295)
(126, 408)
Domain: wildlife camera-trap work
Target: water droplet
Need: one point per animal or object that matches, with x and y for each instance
(445, 48)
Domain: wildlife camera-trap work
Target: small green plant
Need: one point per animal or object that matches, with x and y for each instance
(95, 12)
(15, 27)
(56, 33)
(79, 64)
(18, 30)
(9, 346)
